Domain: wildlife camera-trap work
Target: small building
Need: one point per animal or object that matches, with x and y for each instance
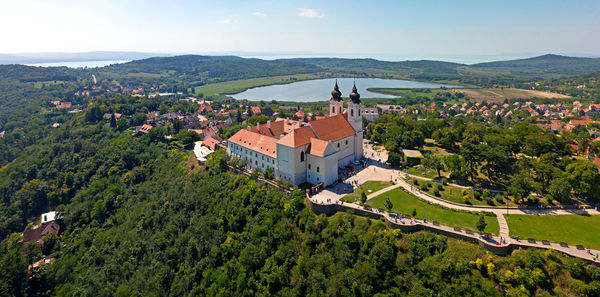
(210, 142)
(144, 129)
(370, 113)
(37, 235)
(412, 157)
(201, 151)
(49, 217)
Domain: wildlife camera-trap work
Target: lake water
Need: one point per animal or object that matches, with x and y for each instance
(80, 64)
(320, 89)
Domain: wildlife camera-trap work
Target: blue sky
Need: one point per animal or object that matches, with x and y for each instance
(397, 30)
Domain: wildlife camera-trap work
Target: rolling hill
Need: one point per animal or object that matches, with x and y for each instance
(547, 66)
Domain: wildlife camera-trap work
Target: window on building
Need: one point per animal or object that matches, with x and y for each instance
(333, 109)
(352, 112)
(308, 166)
(317, 168)
(301, 156)
(256, 162)
(338, 145)
(359, 112)
(346, 141)
(340, 110)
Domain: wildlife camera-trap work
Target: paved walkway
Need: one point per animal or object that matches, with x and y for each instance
(494, 241)
(378, 171)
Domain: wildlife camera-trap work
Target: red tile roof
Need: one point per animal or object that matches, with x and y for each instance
(333, 128)
(210, 142)
(251, 140)
(298, 137)
(318, 147)
(37, 235)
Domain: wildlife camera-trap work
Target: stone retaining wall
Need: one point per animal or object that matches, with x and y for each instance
(330, 209)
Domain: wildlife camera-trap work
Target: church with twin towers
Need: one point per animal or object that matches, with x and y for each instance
(299, 152)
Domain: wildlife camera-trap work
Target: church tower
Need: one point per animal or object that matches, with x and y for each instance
(354, 110)
(336, 105)
(355, 120)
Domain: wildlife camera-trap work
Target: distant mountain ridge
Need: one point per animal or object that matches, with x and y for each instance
(549, 64)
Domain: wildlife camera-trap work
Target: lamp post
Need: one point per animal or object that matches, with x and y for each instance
(507, 201)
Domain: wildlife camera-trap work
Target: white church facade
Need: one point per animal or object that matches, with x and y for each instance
(299, 152)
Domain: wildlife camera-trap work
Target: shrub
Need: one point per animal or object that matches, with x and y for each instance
(489, 201)
(476, 194)
(424, 187)
(499, 198)
(440, 187)
(436, 192)
(486, 194)
(416, 182)
(444, 182)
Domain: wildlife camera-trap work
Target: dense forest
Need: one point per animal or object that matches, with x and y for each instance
(519, 157)
(140, 220)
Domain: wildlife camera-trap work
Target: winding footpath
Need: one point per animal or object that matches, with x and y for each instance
(378, 172)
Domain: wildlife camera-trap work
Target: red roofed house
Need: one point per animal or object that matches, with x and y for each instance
(255, 110)
(305, 152)
(210, 142)
(583, 121)
(63, 105)
(144, 129)
(37, 235)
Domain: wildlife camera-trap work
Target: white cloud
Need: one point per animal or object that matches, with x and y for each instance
(309, 13)
(225, 22)
(259, 14)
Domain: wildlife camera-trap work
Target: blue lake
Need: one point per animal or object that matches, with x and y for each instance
(320, 89)
(80, 64)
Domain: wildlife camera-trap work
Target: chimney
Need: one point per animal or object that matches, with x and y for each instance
(269, 124)
(287, 121)
(257, 127)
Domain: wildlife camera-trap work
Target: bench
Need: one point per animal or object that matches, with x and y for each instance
(457, 229)
(580, 247)
(531, 240)
(564, 244)
(545, 242)
(470, 232)
(436, 223)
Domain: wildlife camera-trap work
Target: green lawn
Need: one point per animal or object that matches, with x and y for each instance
(419, 170)
(372, 185)
(405, 203)
(454, 194)
(572, 229)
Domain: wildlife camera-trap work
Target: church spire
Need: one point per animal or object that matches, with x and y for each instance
(336, 94)
(354, 95)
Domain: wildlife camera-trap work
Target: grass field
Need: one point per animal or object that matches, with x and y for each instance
(452, 193)
(372, 185)
(405, 203)
(572, 229)
(498, 95)
(422, 171)
(407, 93)
(236, 86)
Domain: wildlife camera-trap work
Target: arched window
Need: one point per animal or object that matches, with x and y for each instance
(340, 110)
(359, 112)
(301, 156)
(333, 109)
(352, 112)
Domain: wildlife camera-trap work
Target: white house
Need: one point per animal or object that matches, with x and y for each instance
(49, 217)
(300, 152)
